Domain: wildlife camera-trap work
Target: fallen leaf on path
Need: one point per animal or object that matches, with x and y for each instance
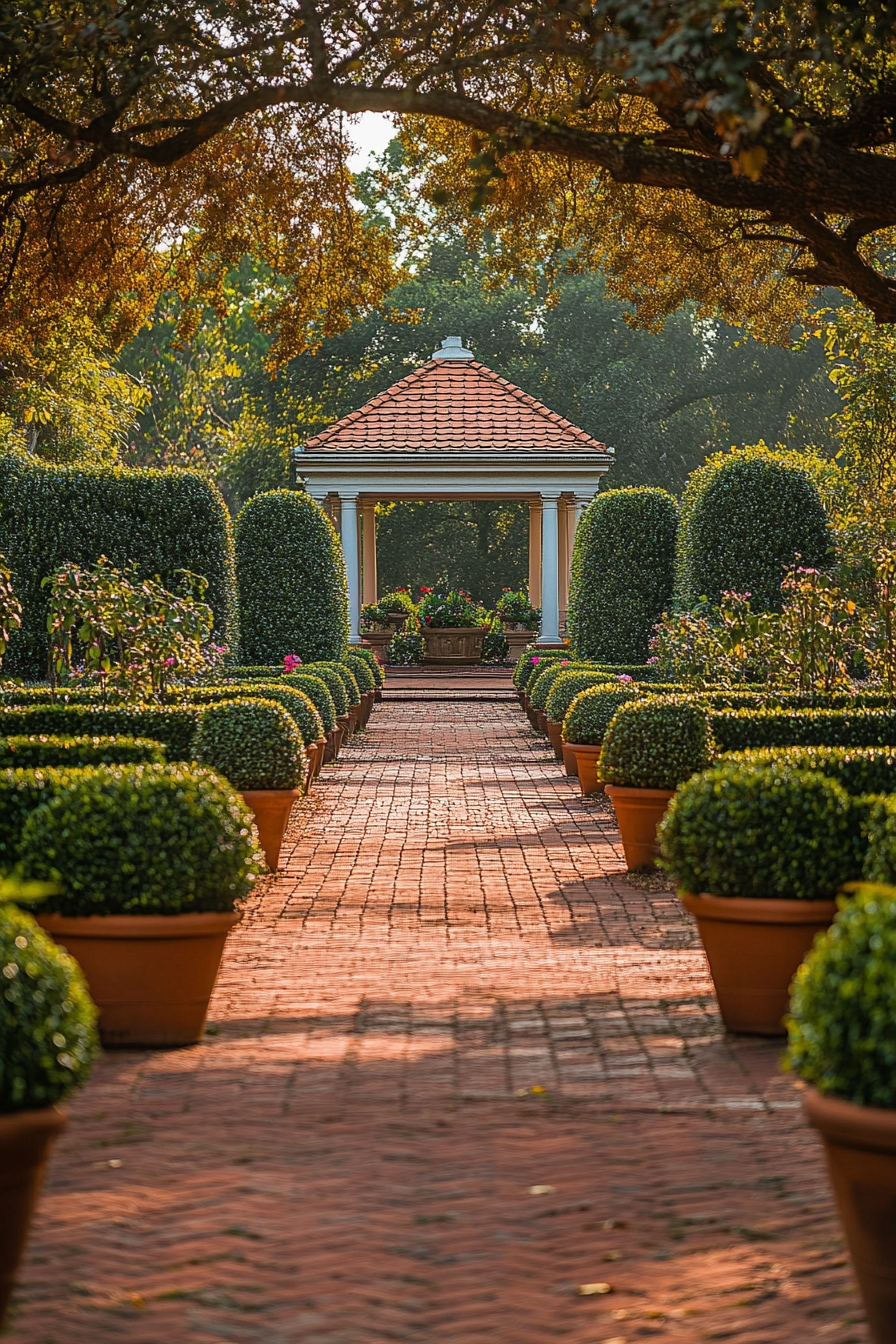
(589, 1289)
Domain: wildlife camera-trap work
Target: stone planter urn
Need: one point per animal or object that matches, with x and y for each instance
(378, 640)
(457, 647)
(518, 639)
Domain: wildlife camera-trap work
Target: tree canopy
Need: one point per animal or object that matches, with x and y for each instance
(728, 152)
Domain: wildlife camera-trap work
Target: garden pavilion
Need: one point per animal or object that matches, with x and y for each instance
(451, 430)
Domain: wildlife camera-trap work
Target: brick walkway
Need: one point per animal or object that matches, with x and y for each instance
(362, 1151)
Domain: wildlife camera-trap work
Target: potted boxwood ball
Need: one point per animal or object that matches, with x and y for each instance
(147, 862)
(256, 746)
(651, 746)
(587, 720)
(759, 854)
(48, 1041)
(564, 690)
(842, 1029)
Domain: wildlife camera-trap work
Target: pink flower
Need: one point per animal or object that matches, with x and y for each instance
(291, 662)
(169, 662)
(623, 676)
(652, 660)
(535, 660)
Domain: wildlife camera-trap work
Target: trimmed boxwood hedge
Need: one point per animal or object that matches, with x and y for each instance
(48, 1037)
(590, 713)
(291, 579)
(21, 791)
(361, 672)
(567, 686)
(859, 770)
(656, 743)
(740, 729)
(28, 753)
(253, 743)
(298, 705)
(317, 692)
(175, 728)
(145, 839)
(880, 857)
(842, 1023)
(744, 519)
(263, 672)
(763, 831)
(622, 573)
(163, 521)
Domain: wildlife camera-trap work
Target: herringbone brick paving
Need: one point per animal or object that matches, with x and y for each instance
(458, 1068)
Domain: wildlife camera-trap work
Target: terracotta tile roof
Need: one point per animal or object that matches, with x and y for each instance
(453, 406)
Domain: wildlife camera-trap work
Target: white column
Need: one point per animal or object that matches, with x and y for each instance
(368, 529)
(350, 551)
(550, 569)
(565, 517)
(535, 552)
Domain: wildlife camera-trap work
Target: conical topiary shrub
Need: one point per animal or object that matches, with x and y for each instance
(622, 568)
(293, 596)
(745, 517)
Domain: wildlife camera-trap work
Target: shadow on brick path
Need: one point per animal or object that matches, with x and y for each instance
(449, 998)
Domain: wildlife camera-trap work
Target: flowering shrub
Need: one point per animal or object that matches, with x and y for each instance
(444, 607)
(725, 645)
(10, 609)
(291, 662)
(136, 636)
(398, 603)
(514, 608)
(406, 647)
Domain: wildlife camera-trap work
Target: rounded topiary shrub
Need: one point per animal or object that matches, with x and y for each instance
(842, 1024)
(316, 690)
(290, 571)
(738, 830)
(148, 839)
(48, 1036)
(253, 743)
(540, 686)
(622, 572)
(745, 518)
(568, 685)
(590, 713)
(297, 704)
(656, 743)
(361, 672)
(370, 658)
(334, 683)
(349, 685)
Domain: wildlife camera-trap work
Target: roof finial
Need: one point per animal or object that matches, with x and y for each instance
(453, 348)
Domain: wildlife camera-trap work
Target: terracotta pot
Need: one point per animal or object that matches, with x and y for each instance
(151, 976)
(754, 947)
(367, 700)
(541, 722)
(320, 750)
(310, 758)
(452, 648)
(638, 813)
(587, 761)
(343, 723)
(569, 759)
(271, 809)
(378, 694)
(555, 733)
(354, 718)
(25, 1141)
(860, 1146)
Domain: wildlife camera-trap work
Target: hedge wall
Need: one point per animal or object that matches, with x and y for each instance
(743, 520)
(291, 580)
(174, 728)
(163, 521)
(622, 572)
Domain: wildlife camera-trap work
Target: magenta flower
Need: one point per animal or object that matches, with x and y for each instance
(623, 676)
(291, 662)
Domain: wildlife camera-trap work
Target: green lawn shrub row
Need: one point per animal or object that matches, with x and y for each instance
(297, 704)
(567, 686)
(29, 753)
(592, 711)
